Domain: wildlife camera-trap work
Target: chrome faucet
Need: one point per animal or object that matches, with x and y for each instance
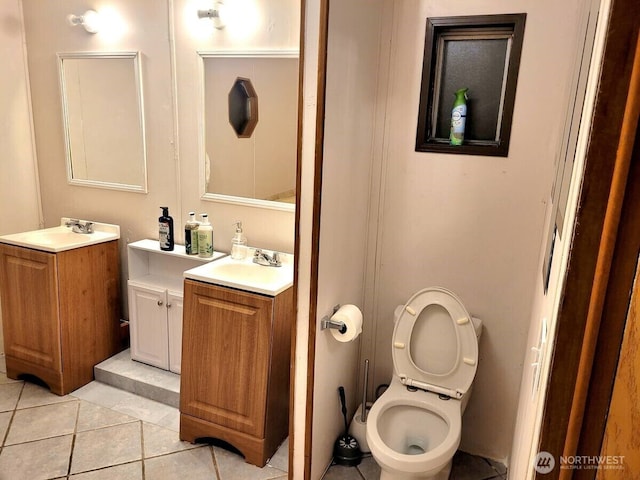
(263, 258)
(79, 227)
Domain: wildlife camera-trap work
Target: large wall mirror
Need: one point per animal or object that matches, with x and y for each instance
(103, 120)
(249, 127)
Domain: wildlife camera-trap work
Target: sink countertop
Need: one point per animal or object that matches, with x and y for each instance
(246, 275)
(62, 238)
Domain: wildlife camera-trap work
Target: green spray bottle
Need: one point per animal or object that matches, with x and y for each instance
(458, 117)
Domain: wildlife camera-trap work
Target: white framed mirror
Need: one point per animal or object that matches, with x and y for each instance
(257, 169)
(103, 118)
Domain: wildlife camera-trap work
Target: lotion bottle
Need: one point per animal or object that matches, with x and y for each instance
(165, 230)
(458, 117)
(238, 244)
(191, 235)
(205, 237)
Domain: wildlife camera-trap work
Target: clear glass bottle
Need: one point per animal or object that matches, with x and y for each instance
(238, 244)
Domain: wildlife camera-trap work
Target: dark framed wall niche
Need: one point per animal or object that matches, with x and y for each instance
(481, 53)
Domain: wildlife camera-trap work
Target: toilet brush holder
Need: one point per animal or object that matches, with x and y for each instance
(358, 429)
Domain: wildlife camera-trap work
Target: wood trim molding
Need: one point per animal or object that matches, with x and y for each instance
(315, 233)
(296, 240)
(591, 426)
(582, 271)
(604, 264)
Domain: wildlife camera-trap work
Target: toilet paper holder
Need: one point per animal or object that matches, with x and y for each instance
(326, 322)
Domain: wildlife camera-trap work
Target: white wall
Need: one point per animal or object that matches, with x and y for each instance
(171, 120)
(47, 33)
(19, 197)
(541, 338)
(350, 114)
(469, 223)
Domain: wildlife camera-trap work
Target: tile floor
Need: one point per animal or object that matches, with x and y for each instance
(465, 467)
(102, 433)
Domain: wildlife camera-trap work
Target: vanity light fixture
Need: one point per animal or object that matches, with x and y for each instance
(215, 14)
(90, 20)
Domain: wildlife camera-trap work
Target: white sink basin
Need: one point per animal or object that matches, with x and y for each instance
(246, 275)
(62, 238)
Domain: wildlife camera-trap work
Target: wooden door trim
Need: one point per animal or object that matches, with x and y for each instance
(612, 252)
(296, 240)
(583, 289)
(315, 230)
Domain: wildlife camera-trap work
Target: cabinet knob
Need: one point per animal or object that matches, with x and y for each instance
(159, 303)
(168, 305)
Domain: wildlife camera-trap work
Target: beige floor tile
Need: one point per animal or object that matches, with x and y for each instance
(9, 396)
(128, 471)
(195, 464)
(233, 466)
(39, 460)
(4, 379)
(171, 420)
(100, 394)
(107, 447)
(369, 469)
(125, 402)
(280, 459)
(34, 396)
(342, 472)
(38, 423)
(92, 416)
(5, 418)
(161, 441)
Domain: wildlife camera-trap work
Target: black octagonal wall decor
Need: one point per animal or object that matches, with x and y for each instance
(243, 107)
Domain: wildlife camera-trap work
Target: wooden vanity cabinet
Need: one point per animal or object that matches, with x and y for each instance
(235, 368)
(60, 312)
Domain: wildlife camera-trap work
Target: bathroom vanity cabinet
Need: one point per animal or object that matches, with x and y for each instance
(235, 368)
(60, 311)
(155, 302)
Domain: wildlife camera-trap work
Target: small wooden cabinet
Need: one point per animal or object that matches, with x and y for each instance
(235, 368)
(155, 302)
(60, 312)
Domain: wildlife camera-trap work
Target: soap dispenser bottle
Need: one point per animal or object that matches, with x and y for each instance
(205, 237)
(165, 230)
(238, 243)
(191, 235)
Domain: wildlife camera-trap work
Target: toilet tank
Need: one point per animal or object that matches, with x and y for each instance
(477, 326)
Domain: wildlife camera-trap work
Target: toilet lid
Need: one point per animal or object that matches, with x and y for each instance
(434, 343)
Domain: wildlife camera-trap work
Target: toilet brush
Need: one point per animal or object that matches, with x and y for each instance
(346, 450)
(358, 427)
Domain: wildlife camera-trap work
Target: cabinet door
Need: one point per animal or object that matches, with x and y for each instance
(225, 357)
(148, 325)
(174, 316)
(28, 280)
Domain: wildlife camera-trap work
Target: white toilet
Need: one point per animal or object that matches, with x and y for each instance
(413, 429)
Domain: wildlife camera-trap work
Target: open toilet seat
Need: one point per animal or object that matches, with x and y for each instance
(389, 454)
(434, 346)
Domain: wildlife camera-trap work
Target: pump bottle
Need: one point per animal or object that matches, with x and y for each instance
(191, 235)
(238, 244)
(205, 237)
(165, 230)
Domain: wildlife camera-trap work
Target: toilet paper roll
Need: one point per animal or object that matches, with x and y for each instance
(351, 316)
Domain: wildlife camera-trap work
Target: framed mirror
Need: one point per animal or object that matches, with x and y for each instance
(249, 127)
(103, 120)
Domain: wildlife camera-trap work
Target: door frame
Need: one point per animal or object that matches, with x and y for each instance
(602, 261)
